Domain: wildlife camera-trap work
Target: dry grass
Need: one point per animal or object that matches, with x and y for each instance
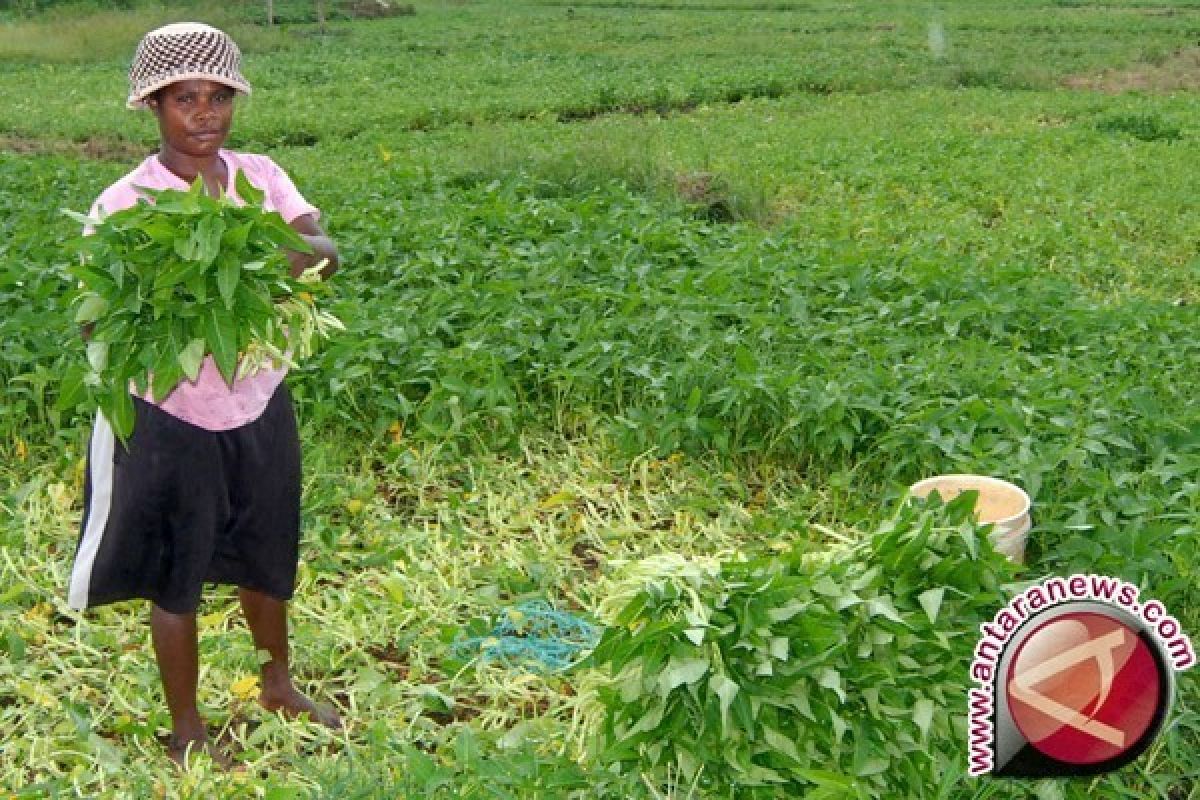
(100, 148)
(1179, 71)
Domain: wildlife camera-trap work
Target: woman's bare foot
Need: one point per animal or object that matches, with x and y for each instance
(293, 703)
(182, 750)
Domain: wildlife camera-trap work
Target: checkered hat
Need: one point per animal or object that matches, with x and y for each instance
(180, 52)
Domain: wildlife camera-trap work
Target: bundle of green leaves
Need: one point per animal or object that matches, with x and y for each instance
(841, 674)
(184, 275)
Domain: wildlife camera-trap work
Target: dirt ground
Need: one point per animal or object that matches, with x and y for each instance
(1179, 71)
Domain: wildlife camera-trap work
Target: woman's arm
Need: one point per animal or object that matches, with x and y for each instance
(323, 247)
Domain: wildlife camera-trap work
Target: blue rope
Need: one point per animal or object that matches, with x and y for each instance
(534, 636)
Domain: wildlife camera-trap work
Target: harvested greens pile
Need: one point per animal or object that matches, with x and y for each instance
(167, 282)
(837, 674)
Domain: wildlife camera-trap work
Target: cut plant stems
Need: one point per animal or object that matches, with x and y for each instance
(183, 276)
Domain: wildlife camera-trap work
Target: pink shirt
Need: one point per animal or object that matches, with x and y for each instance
(208, 402)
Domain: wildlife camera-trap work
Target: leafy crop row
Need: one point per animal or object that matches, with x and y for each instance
(692, 335)
(504, 61)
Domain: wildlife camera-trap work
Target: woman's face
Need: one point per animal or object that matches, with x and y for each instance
(194, 116)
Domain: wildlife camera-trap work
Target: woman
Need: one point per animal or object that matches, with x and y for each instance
(208, 488)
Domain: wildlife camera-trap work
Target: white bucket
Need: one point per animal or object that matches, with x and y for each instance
(1002, 504)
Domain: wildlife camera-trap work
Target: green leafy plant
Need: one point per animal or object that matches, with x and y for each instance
(840, 674)
(1147, 127)
(165, 283)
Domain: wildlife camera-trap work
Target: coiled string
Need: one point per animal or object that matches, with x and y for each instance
(534, 636)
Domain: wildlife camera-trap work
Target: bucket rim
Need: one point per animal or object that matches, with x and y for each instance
(967, 477)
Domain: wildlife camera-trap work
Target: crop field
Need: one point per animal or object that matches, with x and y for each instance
(644, 301)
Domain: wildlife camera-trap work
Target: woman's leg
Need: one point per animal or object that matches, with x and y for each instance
(174, 637)
(267, 619)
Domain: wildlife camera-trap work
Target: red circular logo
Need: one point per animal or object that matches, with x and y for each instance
(1083, 688)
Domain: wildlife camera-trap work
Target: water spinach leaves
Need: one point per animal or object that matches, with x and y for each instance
(180, 276)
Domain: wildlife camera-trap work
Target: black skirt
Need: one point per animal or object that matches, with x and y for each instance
(182, 506)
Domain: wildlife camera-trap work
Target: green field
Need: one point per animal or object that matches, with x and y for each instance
(631, 280)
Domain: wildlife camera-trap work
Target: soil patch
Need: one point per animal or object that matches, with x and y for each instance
(1179, 71)
(97, 148)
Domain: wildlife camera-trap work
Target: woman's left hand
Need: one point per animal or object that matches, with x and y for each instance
(323, 248)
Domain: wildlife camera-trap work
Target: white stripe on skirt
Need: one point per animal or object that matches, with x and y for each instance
(100, 462)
